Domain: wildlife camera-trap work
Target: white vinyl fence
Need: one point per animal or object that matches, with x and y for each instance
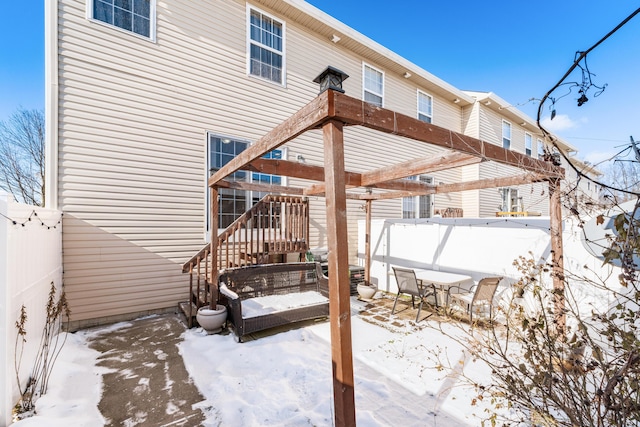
(477, 247)
(30, 260)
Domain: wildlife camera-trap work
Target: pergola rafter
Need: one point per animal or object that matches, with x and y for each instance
(331, 111)
(425, 165)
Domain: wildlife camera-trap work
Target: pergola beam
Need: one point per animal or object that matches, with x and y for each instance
(274, 189)
(435, 163)
(264, 188)
(354, 111)
(397, 185)
(310, 116)
(316, 173)
(479, 184)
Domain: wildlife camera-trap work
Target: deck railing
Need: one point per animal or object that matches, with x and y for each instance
(275, 226)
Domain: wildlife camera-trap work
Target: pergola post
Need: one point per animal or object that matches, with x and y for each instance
(339, 289)
(367, 243)
(557, 256)
(213, 244)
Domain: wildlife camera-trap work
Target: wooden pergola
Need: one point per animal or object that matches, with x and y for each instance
(331, 111)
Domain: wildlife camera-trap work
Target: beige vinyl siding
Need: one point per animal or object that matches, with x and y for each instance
(133, 123)
(534, 196)
(470, 200)
(470, 120)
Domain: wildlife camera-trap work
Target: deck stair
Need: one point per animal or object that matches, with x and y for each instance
(269, 232)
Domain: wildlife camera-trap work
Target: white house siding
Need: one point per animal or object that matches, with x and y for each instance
(133, 120)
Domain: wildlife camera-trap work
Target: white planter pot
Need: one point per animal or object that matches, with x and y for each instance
(212, 320)
(366, 292)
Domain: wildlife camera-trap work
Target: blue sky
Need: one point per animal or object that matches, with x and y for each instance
(516, 49)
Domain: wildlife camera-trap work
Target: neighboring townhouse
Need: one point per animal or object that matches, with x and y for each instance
(146, 98)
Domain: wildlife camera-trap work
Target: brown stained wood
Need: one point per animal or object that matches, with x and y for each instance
(308, 117)
(206, 274)
(460, 186)
(367, 243)
(557, 256)
(339, 286)
(489, 183)
(398, 184)
(392, 195)
(297, 170)
(418, 166)
(191, 313)
(198, 283)
(267, 188)
(286, 168)
(213, 245)
(357, 112)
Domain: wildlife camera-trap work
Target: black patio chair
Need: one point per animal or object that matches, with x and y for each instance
(408, 284)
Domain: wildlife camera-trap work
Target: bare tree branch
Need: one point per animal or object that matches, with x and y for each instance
(22, 165)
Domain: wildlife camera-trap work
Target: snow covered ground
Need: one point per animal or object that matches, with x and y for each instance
(285, 379)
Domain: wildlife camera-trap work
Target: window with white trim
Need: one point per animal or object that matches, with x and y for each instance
(540, 149)
(373, 85)
(528, 144)
(417, 206)
(506, 134)
(510, 200)
(265, 178)
(425, 107)
(136, 16)
(233, 203)
(266, 37)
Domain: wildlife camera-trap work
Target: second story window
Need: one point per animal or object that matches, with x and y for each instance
(135, 16)
(266, 47)
(506, 135)
(528, 144)
(373, 85)
(425, 107)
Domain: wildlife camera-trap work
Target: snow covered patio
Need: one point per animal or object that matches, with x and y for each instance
(278, 379)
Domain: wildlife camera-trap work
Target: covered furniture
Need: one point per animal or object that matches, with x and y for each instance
(265, 296)
(480, 295)
(408, 284)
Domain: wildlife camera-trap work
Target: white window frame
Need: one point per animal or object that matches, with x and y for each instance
(425, 116)
(414, 203)
(506, 134)
(152, 20)
(540, 149)
(249, 195)
(528, 144)
(282, 53)
(507, 196)
(371, 91)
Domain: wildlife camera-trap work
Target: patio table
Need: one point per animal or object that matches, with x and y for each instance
(442, 280)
